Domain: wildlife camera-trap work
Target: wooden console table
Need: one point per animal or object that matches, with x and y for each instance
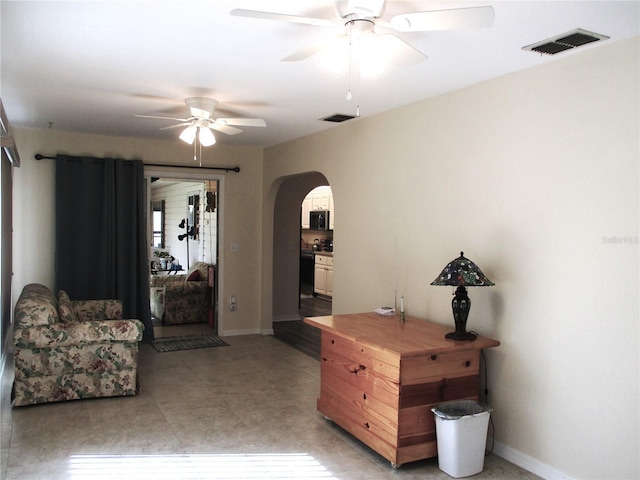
(380, 378)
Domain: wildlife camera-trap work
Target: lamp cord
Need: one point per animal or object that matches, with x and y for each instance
(486, 401)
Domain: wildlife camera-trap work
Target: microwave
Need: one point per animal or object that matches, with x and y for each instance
(319, 220)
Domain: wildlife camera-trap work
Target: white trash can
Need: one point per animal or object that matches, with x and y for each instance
(461, 433)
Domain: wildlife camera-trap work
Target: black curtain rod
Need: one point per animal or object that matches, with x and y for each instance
(226, 169)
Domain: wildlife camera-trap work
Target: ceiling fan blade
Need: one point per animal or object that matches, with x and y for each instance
(242, 122)
(228, 129)
(282, 17)
(310, 50)
(452, 19)
(177, 126)
(397, 51)
(164, 118)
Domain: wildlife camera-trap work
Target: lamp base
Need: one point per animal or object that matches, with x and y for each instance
(461, 306)
(461, 336)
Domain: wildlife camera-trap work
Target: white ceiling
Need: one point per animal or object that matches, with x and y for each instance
(89, 66)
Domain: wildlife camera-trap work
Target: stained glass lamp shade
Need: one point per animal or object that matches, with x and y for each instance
(461, 273)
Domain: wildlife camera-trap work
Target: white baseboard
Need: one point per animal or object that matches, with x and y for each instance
(529, 463)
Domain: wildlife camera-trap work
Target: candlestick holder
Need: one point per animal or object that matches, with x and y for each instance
(402, 317)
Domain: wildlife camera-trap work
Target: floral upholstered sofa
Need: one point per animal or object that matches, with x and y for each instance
(68, 350)
(181, 298)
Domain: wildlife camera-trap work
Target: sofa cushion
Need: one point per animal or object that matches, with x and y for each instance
(66, 313)
(63, 297)
(194, 276)
(78, 333)
(65, 309)
(201, 267)
(36, 306)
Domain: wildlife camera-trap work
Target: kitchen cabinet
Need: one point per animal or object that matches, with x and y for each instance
(320, 198)
(379, 379)
(306, 208)
(331, 210)
(323, 275)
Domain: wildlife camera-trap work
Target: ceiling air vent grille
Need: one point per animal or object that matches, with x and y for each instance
(337, 118)
(565, 41)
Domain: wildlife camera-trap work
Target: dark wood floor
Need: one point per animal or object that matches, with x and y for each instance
(300, 335)
(311, 306)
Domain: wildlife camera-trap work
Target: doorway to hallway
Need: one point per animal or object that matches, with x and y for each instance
(184, 228)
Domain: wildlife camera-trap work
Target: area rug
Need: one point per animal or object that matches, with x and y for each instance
(189, 342)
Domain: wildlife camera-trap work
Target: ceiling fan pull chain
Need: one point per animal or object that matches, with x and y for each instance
(195, 157)
(349, 95)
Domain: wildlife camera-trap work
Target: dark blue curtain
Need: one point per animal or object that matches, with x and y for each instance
(101, 244)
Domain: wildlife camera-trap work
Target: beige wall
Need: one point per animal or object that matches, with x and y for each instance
(34, 210)
(535, 176)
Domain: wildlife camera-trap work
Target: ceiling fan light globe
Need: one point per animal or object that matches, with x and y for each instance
(335, 57)
(189, 134)
(371, 69)
(372, 54)
(206, 137)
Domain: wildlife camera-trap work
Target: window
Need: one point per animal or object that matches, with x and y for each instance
(193, 213)
(158, 223)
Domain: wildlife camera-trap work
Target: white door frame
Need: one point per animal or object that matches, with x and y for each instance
(190, 174)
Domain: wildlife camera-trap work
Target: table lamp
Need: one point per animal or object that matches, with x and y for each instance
(461, 273)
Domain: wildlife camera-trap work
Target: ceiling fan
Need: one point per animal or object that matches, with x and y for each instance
(201, 123)
(360, 17)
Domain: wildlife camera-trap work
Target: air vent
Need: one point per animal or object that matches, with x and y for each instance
(565, 41)
(337, 118)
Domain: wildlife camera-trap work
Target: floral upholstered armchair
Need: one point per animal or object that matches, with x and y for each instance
(68, 350)
(181, 298)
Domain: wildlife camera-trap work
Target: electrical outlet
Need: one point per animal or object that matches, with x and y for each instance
(234, 247)
(233, 306)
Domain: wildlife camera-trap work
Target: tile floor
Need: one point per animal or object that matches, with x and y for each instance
(245, 411)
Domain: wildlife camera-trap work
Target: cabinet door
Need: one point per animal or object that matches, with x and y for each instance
(329, 280)
(320, 279)
(331, 212)
(321, 201)
(306, 208)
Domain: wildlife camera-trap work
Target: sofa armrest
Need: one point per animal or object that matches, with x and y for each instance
(164, 280)
(185, 288)
(89, 310)
(78, 333)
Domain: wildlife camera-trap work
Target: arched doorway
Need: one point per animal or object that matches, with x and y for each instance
(287, 246)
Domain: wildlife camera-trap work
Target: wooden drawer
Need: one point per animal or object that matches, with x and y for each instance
(324, 260)
(362, 356)
(366, 380)
(430, 368)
